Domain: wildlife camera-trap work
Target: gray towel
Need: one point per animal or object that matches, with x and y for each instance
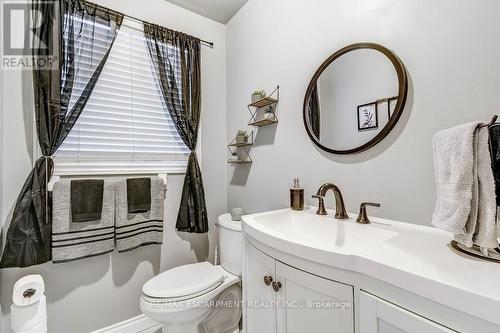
(138, 195)
(483, 231)
(72, 241)
(134, 230)
(466, 202)
(456, 179)
(86, 199)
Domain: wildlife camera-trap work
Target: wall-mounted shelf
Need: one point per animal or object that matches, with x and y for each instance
(246, 144)
(263, 122)
(241, 149)
(266, 105)
(263, 102)
(240, 162)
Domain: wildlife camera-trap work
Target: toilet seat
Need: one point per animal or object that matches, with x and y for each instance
(228, 279)
(183, 282)
(158, 300)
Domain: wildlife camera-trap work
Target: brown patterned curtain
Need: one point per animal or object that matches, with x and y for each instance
(66, 31)
(176, 62)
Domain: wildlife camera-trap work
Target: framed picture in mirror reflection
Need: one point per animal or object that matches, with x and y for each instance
(391, 105)
(367, 116)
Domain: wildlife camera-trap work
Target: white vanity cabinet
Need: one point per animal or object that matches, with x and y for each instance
(338, 276)
(294, 301)
(379, 316)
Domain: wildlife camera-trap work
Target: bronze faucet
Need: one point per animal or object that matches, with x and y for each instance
(340, 212)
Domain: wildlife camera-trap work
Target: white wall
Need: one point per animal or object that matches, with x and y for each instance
(452, 58)
(88, 294)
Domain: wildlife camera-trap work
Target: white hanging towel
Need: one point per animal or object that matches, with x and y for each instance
(466, 203)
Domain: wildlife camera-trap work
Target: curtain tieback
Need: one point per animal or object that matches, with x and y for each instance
(45, 157)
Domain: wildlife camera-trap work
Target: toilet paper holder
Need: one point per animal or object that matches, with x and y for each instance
(28, 293)
(29, 309)
(28, 290)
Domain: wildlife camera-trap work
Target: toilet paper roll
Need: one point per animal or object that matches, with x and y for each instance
(28, 290)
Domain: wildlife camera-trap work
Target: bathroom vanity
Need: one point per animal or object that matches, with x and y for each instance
(308, 273)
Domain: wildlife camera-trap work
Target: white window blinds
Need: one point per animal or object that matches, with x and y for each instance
(125, 125)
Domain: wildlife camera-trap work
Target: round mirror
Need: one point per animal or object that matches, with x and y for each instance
(355, 98)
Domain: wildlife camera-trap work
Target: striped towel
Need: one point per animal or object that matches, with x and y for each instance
(72, 241)
(138, 229)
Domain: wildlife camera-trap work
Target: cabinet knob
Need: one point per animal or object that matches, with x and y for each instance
(276, 286)
(268, 279)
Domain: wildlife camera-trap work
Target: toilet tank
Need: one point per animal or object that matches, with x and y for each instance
(230, 244)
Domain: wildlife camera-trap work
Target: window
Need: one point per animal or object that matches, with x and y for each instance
(125, 125)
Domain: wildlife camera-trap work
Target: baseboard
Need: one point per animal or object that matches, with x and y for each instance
(137, 324)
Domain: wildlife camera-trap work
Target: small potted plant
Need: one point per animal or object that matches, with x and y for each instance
(241, 137)
(258, 94)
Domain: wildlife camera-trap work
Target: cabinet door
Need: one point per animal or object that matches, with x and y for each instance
(308, 303)
(260, 298)
(379, 316)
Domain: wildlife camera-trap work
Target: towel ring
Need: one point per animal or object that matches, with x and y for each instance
(475, 252)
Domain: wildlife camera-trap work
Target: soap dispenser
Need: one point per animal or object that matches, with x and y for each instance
(296, 196)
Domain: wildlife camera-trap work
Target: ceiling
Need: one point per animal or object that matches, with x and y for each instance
(218, 10)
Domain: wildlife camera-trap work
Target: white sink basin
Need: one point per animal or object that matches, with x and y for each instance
(320, 232)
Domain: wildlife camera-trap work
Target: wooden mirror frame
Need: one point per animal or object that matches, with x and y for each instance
(398, 110)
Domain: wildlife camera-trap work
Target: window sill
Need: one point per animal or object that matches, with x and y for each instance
(81, 170)
(56, 178)
(114, 168)
(116, 172)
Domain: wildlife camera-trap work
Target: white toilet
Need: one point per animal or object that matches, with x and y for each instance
(187, 299)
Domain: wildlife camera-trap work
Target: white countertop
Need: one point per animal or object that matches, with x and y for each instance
(412, 257)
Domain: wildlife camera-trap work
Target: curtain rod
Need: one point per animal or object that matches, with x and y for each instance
(203, 42)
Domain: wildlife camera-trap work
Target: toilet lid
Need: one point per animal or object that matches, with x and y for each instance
(183, 280)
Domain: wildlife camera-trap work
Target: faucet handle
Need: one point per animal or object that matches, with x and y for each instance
(321, 204)
(363, 217)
